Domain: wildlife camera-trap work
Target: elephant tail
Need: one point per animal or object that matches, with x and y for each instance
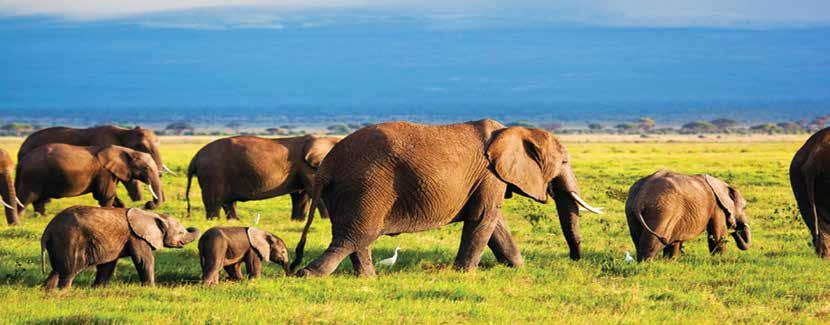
(191, 170)
(319, 184)
(42, 255)
(662, 239)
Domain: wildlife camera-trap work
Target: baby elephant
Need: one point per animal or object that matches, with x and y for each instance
(80, 237)
(667, 208)
(229, 247)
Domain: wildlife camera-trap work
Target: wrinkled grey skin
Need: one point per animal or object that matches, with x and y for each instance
(230, 247)
(81, 236)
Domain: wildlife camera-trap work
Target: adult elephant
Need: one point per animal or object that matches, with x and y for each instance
(8, 195)
(810, 179)
(62, 170)
(398, 177)
(137, 138)
(246, 168)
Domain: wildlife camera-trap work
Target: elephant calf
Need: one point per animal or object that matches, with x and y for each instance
(229, 247)
(81, 236)
(666, 208)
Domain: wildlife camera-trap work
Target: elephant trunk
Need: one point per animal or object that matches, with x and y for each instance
(568, 209)
(9, 198)
(742, 236)
(156, 190)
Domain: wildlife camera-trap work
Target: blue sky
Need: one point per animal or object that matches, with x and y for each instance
(414, 57)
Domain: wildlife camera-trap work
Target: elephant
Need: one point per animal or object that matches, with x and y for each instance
(810, 180)
(83, 236)
(229, 247)
(8, 196)
(397, 177)
(136, 138)
(62, 170)
(247, 168)
(666, 209)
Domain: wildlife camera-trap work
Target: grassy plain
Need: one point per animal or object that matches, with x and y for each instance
(778, 280)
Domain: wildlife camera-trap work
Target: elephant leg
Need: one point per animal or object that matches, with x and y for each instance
(234, 271)
(65, 280)
(362, 262)
(299, 205)
(104, 273)
(671, 251)
(716, 232)
(118, 203)
(134, 190)
(328, 262)
(230, 210)
(40, 206)
(142, 256)
(253, 264)
(503, 246)
(210, 271)
(51, 281)
(321, 208)
(647, 247)
(474, 238)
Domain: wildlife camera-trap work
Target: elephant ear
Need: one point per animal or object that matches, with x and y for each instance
(259, 241)
(115, 161)
(722, 193)
(316, 149)
(520, 157)
(147, 226)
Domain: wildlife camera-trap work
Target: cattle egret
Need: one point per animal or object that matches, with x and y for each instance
(390, 261)
(628, 257)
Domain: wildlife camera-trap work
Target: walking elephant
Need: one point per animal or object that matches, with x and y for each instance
(246, 168)
(398, 177)
(8, 196)
(666, 209)
(137, 138)
(810, 180)
(61, 170)
(80, 237)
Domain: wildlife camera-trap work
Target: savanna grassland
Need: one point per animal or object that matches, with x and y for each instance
(778, 280)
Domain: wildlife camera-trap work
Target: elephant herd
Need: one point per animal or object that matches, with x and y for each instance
(383, 179)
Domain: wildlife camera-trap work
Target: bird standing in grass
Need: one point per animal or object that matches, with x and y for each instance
(390, 261)
(628, 257)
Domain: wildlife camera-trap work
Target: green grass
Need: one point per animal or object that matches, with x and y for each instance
(778, 280)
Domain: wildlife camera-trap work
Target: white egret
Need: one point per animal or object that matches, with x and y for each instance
(390, 261)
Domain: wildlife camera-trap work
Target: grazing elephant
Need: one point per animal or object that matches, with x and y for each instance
(248, 168)
(229, 247)
(398, 177)
(810, 179)
(80, 237)
(62, 170)
(137, 138)
(666, 209)
(8, 195)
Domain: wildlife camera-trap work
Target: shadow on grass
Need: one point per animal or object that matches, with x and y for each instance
(78, 319)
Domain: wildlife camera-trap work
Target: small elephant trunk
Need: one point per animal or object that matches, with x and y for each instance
(742, 236)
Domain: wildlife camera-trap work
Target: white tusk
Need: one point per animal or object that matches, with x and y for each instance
(153, 192)
(6, 204)
(256, 221)
(167, 170)
(585, 205)
(19, 203)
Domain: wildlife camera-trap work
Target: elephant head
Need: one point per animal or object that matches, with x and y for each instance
(144, 140)
(733, 204)
(269, 247)
(127, 164)
(160, 230)
(535, 164)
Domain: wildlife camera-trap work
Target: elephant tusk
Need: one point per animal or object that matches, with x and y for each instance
(20, 203)
(153, 192)
(167, 170)
(6, 204)
(585, 205)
